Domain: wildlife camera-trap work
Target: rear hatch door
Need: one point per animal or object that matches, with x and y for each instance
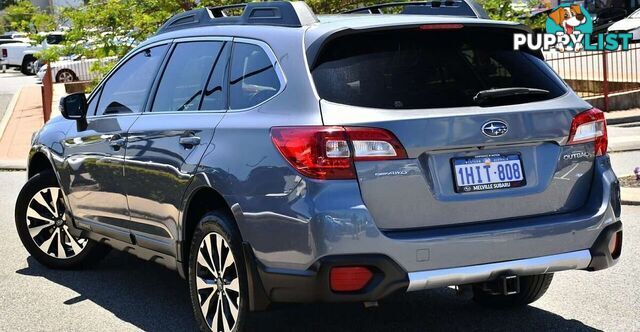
(470, 159)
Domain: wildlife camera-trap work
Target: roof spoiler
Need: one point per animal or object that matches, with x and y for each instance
(465, 8)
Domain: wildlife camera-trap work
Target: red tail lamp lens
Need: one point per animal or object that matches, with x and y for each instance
(590, 126)
(328, 153)
(350, 278)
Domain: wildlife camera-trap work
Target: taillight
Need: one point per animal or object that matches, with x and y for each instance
(590, 126)
(375, 144)
(329, 152)
(4, 52)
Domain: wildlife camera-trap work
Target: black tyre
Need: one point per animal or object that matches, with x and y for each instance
(28, 65)
(531, 289)
(66, 76)
(41, 221)
(217, 277)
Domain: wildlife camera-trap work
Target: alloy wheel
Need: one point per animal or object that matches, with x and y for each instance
(31, 67)
(47, 226)
(217, 283)
(65, 77)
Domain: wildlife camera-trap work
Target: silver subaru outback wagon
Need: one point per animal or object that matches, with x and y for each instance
(278, 156)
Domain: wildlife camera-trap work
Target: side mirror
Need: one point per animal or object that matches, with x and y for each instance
(74, 106)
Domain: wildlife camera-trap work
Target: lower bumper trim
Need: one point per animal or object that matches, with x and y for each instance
(575, 260)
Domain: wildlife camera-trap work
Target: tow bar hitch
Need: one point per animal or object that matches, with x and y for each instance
(504, 285)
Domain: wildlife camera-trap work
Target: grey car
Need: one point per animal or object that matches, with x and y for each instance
(280, 157)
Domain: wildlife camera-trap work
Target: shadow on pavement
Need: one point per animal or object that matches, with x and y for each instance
(153, 298)
(144, 294)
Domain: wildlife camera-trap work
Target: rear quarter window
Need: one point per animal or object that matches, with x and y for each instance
(414, 69)
(253, 77)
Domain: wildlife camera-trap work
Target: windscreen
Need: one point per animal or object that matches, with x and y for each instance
(424, 68)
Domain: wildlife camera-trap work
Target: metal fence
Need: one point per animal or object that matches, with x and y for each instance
(599, 73)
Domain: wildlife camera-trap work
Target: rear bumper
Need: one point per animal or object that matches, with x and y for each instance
(329, 221)
(313, 285)
(576, 260)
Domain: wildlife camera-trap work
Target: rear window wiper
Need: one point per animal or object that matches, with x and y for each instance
(485, 95)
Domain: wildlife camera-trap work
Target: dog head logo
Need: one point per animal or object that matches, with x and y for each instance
(569, 19)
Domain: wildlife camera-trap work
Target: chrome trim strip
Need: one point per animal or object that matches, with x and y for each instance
(575, 260)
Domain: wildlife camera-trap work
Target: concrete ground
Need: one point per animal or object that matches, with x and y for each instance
(124, 293)
(24, 97)
(26, 118)
(10, 83)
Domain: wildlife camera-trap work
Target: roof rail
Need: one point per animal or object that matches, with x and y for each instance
(277, 13)
(466, 8)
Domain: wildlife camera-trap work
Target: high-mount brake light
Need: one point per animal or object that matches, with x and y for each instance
(329, 153)
(447, 26)
(590, 126)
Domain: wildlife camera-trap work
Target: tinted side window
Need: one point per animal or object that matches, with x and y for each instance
(126, 90)
(183, 79)
(215, 96)
(91, 107)
(253, 76)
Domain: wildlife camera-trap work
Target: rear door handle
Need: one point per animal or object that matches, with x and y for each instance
(189, 141)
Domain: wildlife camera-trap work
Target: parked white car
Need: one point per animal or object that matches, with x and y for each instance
(631, 24)
(73, 69)
(22, 55)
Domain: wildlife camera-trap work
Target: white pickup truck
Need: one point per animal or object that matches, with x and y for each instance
(22, 55)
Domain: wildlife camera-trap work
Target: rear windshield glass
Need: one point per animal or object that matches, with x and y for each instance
(415, 68)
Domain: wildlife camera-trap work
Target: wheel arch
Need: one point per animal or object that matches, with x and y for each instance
(26, 56)
(204, 199)
(201, 200)
(38, 163)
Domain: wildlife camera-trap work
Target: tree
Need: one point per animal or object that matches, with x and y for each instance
(505, 10)
(23, 16)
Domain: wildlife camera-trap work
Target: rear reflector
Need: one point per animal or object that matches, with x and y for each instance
(350, 278)
(590, 126)
(615, 245)
(329, 152)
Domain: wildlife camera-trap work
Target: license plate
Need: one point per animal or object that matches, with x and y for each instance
(488, 172)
